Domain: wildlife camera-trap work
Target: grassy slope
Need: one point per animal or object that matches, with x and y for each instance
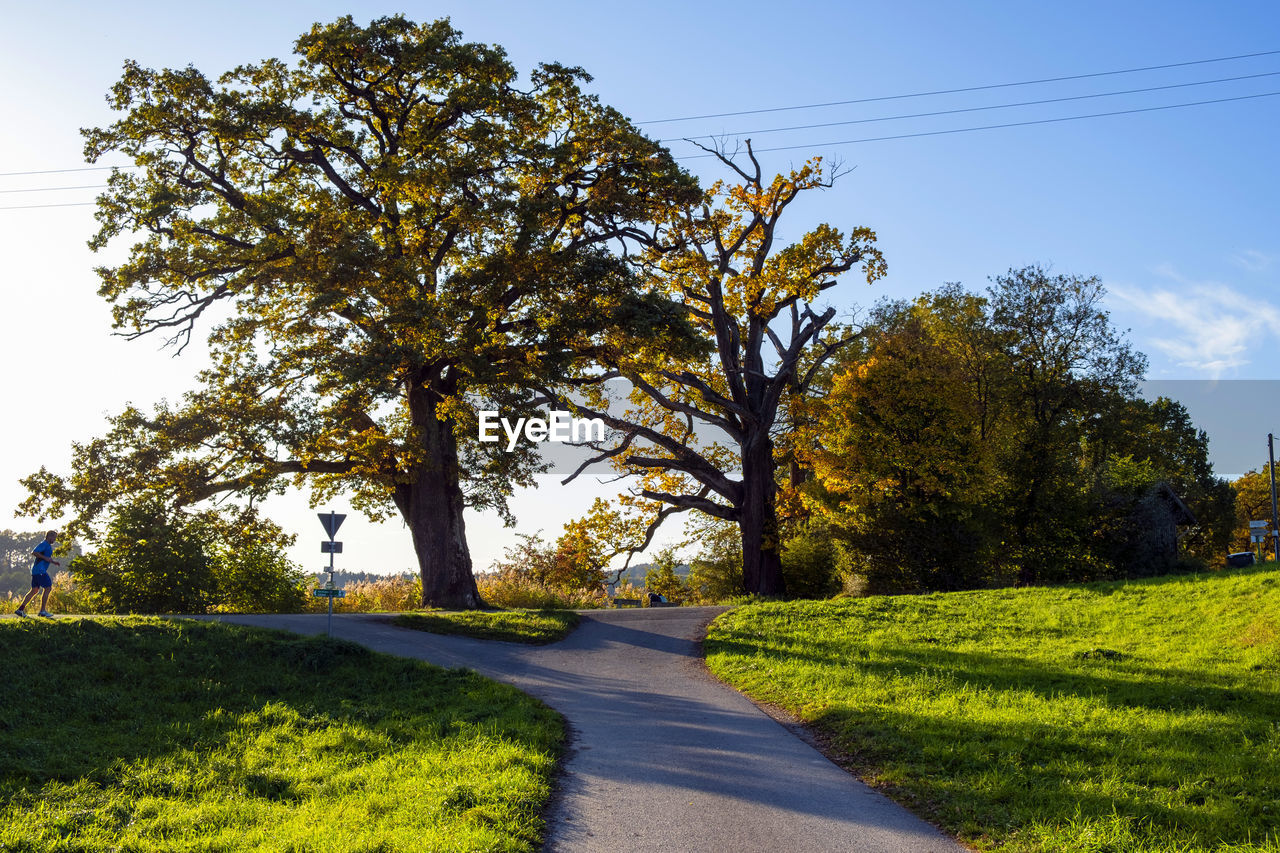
(140, 734)
(1126, 717)
(512, 626)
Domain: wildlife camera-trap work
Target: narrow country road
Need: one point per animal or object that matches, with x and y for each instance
(662, 757)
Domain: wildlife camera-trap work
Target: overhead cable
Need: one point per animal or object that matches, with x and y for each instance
(994, 106)
(965, 89)
(995, 126)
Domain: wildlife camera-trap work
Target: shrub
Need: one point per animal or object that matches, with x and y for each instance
(152, 560)
(565, 566)
(535, 575)
(715, 575)
(156, 559)
(626, 589)
(67, 597)
(811, 563)
(258, 578)
(403, 593)
(663, 580)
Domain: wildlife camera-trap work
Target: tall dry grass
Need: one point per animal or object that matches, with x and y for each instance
(517, 591)
(65, 597)
(510, 590)
(392, 594)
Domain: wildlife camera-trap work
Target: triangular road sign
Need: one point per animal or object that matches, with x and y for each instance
(331, 521)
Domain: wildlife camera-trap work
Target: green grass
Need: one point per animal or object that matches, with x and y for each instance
(1141, 716)
(512, 626)
(142, 734)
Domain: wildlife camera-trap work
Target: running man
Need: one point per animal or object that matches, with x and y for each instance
(40, 575)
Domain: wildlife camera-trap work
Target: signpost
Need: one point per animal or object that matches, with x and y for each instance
(1275, 511)
(331, 521)
(1258, 535)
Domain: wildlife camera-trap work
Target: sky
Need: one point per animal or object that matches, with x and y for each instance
(1174, 209)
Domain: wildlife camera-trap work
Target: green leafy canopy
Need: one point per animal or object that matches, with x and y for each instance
(382, 239)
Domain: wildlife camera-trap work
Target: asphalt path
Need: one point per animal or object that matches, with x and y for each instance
(662, 756)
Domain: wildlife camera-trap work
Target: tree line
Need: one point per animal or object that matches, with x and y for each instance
(399, 231)
(975, 440)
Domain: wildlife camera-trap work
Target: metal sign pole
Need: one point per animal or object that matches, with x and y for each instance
(1275, 516)
(331, 585)
(331, 523)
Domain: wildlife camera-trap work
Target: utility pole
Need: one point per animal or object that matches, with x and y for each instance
(1275, 516)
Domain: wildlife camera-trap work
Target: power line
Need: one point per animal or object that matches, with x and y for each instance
(860, 121)
(994, 106)
(57, 171)
(53, 189)
(966, 89)
(996, 126)
(34, 206)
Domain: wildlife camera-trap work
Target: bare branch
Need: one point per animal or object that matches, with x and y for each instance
(605, 454)
(650, 529)
(685, 408)
(710, 507)
(271, 470)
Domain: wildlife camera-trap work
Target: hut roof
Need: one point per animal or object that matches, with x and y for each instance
(1181, 513)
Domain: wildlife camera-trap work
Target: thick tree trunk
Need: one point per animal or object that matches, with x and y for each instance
(432, 506)
(761, 562)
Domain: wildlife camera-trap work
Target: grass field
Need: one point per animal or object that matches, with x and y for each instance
(1140, 716)
(512, 626)
(142, 734)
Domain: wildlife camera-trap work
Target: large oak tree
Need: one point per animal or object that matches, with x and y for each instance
(382, 238)
(700, 431)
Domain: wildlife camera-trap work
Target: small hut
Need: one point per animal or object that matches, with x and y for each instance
(1154, 523)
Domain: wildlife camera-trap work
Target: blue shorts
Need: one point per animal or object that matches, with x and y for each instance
(41, 580)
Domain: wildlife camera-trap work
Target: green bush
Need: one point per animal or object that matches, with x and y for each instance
(810, 565)
(156, 559)
(258, 578)
(152, 560)
(715, 575)
(663, 580)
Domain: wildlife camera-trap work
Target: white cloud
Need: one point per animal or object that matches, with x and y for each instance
(1206, 326)
(1252, 260)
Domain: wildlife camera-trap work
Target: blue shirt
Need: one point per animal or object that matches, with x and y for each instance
(41, 566)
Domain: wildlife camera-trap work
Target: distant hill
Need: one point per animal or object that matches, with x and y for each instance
(636, 574)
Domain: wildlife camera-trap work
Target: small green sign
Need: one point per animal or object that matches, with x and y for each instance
(329, 593)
